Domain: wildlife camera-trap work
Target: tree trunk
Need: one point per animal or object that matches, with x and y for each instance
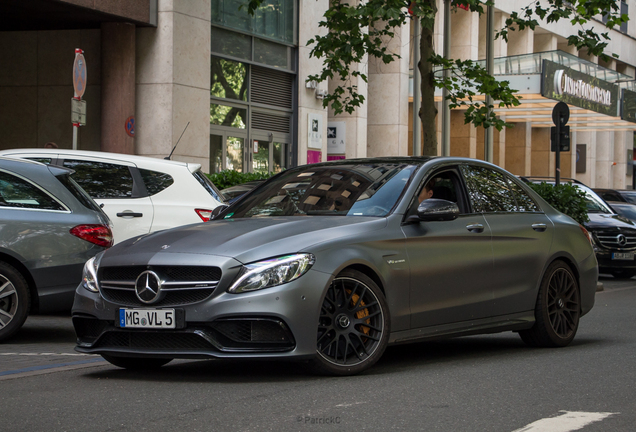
(428, 111)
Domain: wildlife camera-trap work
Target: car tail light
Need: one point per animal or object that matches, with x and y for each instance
(101, 235)
(204, 214)
(587, 234)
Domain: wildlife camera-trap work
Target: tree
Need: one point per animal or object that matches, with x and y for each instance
(360, 28)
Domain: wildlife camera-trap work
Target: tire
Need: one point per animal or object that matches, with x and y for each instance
(353, 328)
(623, 274)
(15, 300)
(557, 310)
(136, 363)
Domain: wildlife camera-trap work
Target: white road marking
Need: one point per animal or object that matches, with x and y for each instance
(566, 422)
(47, 354)
(346, 405)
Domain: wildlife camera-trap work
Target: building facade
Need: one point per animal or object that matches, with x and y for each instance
(232, 88)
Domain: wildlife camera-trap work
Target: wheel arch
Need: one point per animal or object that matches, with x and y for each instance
(368, 271)
(17, 264)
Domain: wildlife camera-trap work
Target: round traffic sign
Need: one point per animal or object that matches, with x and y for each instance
(130, 126)
(79, 74)
(561, 111)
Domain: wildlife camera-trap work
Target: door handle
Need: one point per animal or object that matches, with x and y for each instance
(130, 214)
(476, 227)
(539, 227)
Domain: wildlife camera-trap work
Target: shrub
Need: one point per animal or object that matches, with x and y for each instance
(227, 178)
(565, 197)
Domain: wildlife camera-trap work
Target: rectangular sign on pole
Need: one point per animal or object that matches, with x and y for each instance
(78, 112)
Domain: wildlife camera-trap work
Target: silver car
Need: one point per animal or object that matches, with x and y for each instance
(49, 227)
(332, 262)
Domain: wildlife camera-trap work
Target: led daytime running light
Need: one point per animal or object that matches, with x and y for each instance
(272, 272)
(89, 276)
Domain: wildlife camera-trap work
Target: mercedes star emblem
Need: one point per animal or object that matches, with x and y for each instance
(621, 240)
(148, 287)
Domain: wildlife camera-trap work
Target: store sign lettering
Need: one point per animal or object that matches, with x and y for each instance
(565, 85)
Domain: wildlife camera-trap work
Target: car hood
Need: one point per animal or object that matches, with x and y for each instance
(604, 221)
(245, 240)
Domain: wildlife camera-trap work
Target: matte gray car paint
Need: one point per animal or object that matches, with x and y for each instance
(449, 300)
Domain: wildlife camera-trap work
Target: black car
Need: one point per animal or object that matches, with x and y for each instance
(620, 195)
(614, 236)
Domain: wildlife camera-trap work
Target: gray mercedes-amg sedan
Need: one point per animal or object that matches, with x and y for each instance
(334, 261)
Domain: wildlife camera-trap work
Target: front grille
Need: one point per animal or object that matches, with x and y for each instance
(253, 330)
(182, 285)
(623, 240)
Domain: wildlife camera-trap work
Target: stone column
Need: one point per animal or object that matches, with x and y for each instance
(118, 86)
(173, 83)
(464, 46)
(388, 102)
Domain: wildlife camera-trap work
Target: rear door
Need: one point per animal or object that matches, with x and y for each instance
(118, 188)
(521, 237)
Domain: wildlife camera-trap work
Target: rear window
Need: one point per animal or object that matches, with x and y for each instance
(17, 192)
(155, 181)
(208, 185)
(79, 193)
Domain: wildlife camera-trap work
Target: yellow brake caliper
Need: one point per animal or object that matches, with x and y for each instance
(361, 313)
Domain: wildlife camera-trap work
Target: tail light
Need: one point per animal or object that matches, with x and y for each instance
(204, 214)
(101, 235)
(587, 234)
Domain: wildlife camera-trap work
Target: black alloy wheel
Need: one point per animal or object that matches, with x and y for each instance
(136, 363)
(353, 327)
(15, 300)
(557, 310)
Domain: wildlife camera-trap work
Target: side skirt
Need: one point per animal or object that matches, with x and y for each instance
(513, 322)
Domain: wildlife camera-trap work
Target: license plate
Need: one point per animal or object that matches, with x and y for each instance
(147, 318)
(623, 256)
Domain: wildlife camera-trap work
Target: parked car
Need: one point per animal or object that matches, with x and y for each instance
(625, 209)
(331, 262)
(139, 194)
(619, 195)
(49, 227)
(614, 236)
(233, 193)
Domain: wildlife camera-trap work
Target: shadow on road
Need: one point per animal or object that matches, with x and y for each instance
(395, 360)
(45, 329)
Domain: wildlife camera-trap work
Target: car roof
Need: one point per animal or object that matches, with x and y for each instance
(107, 155)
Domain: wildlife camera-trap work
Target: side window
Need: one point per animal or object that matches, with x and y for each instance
(488, 190)
(155, 181)
(102, 180)
(46, 161)
(525, 203)
(441, 185)
(17, 192)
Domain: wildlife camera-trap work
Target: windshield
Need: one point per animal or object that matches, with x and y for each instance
(630, 197)
(593, 202)
(332, 190)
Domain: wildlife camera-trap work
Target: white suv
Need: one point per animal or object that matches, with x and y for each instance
(139, 194)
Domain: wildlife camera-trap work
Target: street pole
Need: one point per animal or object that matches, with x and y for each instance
(490, 66)
(446, 113)
(417, 78)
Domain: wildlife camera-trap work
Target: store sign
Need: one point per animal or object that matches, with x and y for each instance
(336, 133)
(628, 106)
(314, 131)
(576, 88)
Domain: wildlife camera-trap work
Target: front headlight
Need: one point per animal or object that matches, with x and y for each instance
(271, 272)
(89, 276)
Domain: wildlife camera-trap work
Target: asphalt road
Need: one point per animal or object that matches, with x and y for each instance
(477, 383)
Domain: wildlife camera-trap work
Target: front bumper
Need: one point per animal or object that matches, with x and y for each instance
(606, 263)
(278, 322)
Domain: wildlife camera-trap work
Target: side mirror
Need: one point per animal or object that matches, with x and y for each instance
(217, 211)
(434, 209)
